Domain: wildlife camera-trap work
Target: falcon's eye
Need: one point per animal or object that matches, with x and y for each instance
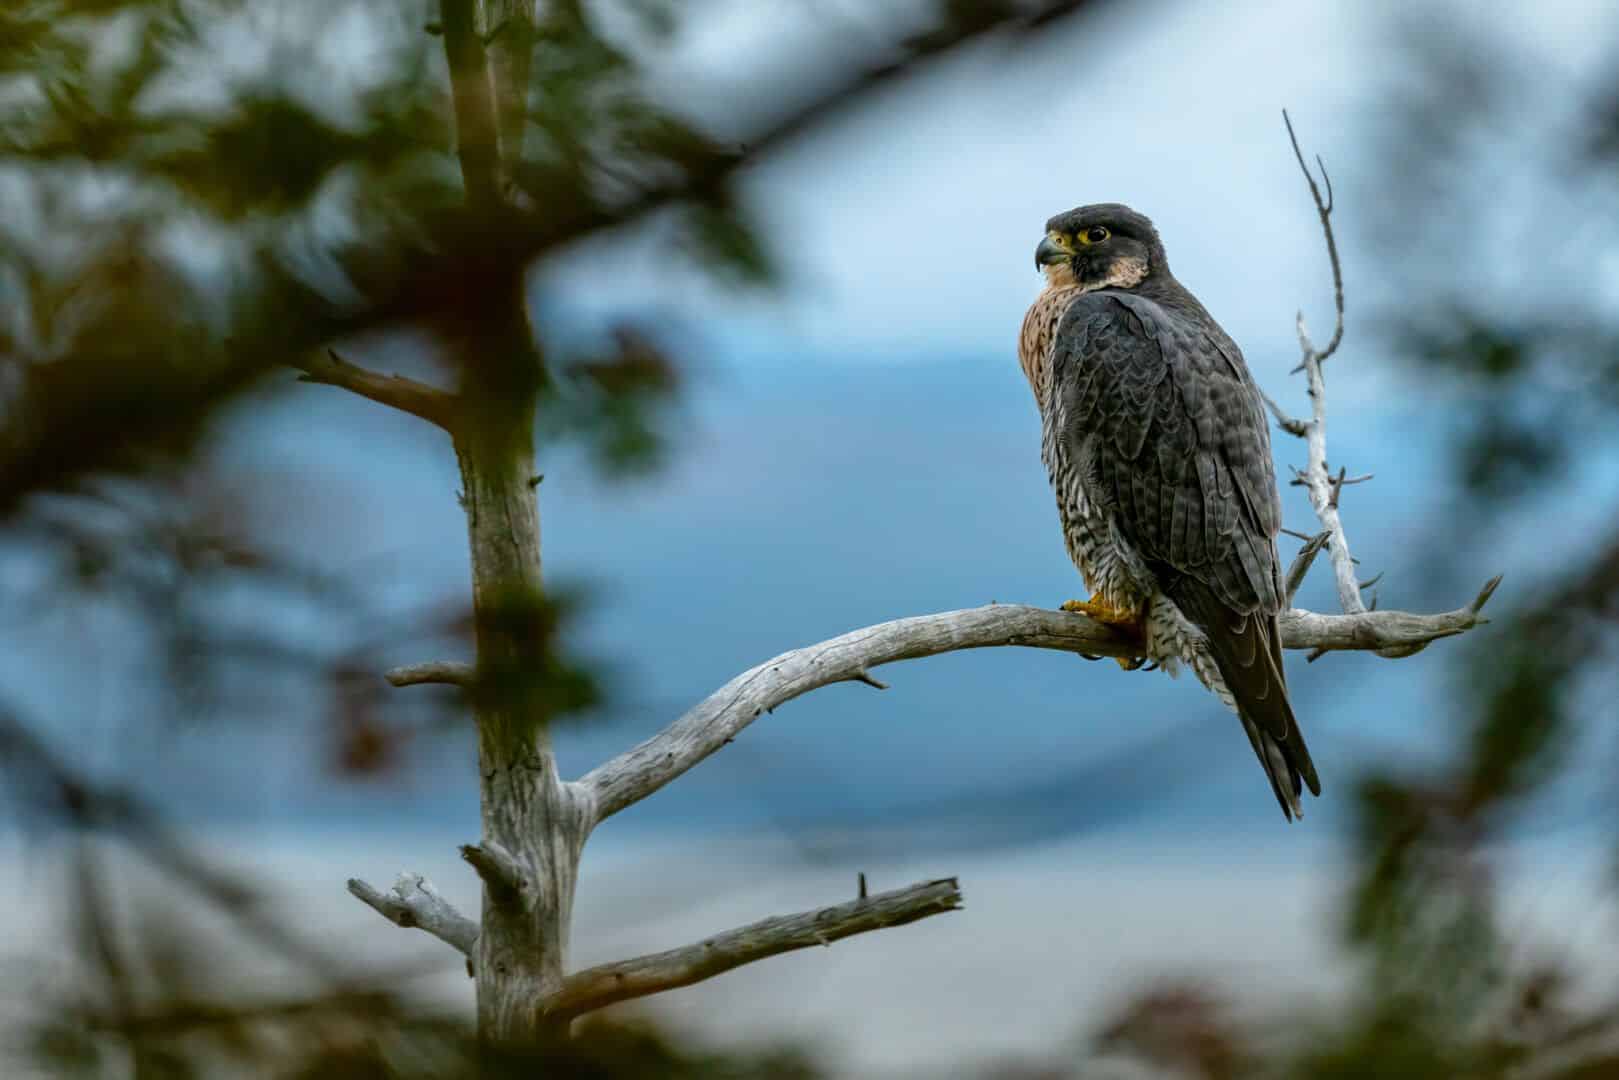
(1094, 235)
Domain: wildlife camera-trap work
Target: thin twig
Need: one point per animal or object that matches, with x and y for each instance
(1303, 561)
(451, 672)
(396, 391)
(1324, 209)
(866, 677)
(1337, 488)
(1289, 424)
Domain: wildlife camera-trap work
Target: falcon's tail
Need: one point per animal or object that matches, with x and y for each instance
(1247, 651)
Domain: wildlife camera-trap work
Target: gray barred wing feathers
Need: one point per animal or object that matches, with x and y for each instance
(1168, 434)
(1174, 440)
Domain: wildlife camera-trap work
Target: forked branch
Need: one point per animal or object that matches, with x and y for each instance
(1387, 633)
(1323, 208)
(598, 987)
(1325, 488)
(414, 902)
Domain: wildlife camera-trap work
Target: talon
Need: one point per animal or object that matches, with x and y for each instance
(1120, 619)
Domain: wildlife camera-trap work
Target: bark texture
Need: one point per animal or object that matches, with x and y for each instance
(533, 826)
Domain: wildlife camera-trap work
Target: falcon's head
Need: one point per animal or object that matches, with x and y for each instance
(1102, 246)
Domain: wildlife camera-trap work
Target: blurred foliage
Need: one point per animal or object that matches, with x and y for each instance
(1516, 312)
(196, 191)
(150, 1000)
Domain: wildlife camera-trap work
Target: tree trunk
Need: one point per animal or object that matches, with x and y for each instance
(527, 812)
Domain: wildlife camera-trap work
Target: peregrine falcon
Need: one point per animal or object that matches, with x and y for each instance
(1155, 440)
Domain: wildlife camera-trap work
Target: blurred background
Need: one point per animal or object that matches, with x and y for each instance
(778, 300)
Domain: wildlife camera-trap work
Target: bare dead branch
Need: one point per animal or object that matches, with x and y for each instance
(1315, 478)
(708, 726)
(1324, 210)
(1325, 488)
(1388, 633)
(414, 902)
(407, 395)
(597, 987)
(1287, 423)
(450, 672)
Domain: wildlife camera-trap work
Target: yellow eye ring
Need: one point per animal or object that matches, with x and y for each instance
(1094, 235)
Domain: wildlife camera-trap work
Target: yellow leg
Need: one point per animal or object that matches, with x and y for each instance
(1125, 622)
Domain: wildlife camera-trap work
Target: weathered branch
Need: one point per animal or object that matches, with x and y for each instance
(451, 672)
(414, 902)
(708, 726)
(597, 987)
(1388, 633)
(407, 395)
(1323, 209)
(1325, 488)
(1290, 424)
(1316, 478)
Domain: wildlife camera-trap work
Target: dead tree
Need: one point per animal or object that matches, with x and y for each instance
(535, 822)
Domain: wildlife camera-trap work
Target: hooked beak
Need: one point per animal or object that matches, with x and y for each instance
(1049, 252)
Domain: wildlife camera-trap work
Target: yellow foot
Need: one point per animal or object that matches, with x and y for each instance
(1106, 614)
(1125, 622)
